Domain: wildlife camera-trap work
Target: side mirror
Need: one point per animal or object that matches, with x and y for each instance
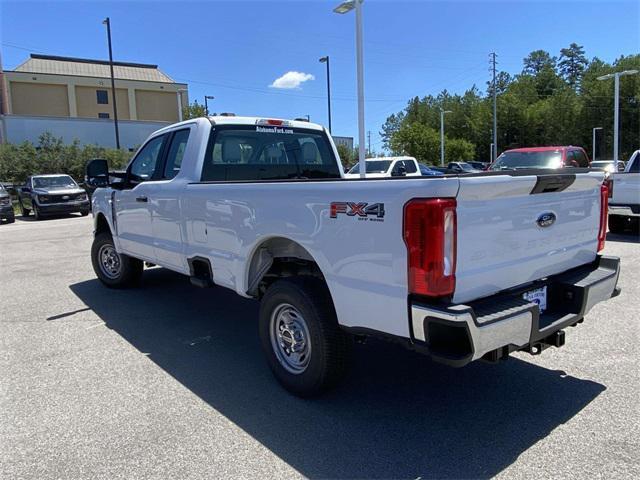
(25, 189)
(97, 173)
(620, 167)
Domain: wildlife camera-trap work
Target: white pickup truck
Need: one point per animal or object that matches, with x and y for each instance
(460, 267)
(385, 167)
(624, 204)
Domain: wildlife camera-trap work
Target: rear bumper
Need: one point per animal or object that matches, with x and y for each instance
(624, 210)
(493, 327)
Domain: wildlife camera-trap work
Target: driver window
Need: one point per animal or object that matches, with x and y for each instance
(144, 165)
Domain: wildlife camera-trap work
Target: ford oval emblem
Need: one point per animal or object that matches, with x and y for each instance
(546, 219)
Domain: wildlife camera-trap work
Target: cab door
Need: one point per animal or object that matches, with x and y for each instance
(164, 201)
(133, 212)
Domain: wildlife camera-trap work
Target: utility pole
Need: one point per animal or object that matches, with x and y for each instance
(369, 142)
(495, 114)
(107, 22)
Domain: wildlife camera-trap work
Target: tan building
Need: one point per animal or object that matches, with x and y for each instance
(47, 85)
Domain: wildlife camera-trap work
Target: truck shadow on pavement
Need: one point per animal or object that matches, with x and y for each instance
(396, 415)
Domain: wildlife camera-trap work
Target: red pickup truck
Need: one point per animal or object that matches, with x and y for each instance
(541, 157)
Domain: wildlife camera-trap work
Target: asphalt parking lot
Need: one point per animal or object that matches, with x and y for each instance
(168, 381)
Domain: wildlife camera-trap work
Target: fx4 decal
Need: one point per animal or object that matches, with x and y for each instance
(362, 210)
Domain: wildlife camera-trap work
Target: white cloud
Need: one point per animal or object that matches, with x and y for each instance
(291, 80)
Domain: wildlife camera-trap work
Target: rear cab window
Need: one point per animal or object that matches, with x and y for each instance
(254, 152)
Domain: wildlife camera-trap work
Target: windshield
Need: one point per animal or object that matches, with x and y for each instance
(467, 167)
(515, 160)
(373, 166)
(60, 181)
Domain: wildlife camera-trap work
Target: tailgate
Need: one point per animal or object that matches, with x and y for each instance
(516, 229)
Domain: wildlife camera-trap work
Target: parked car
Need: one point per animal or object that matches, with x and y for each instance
(6, 206)
(541, 157)
(624, 204)
(461, 167)
(387, 167)
(610, 166)
(478, 165)
(52, 195)
(427, 171)
(460, 267)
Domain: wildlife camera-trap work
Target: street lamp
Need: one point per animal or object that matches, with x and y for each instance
(616, 107)
(206, 105)
(326, 60)
(442, 114)
(107, 22)
(593, 153)
(346, 7)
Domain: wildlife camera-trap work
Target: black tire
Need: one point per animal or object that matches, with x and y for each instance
(36, 212)
(129, 269)
(329, 346)
(24, 211)
(11, 219)
(617, 223)
(84, 213)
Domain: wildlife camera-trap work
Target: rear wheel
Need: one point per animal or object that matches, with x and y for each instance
(114, 269)
(300, 336)
(617, 223)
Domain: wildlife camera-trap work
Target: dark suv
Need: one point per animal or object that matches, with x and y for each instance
(6, 208)
(52, 195)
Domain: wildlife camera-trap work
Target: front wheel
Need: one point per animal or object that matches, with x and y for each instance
(300, 336)
(24, 211)
(114, 269)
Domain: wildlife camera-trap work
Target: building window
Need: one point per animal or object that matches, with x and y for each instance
(103, 115)
(102, 96)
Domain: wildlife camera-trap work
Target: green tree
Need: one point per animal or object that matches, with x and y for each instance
(572, 64)
(193, 110)
(538, 61)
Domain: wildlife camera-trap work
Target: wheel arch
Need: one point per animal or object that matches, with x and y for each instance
(101, 224)
(277, 257)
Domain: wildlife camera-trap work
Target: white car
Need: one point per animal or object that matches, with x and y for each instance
(610, 166)
(385, 167)
(461, 268)
(624, 204)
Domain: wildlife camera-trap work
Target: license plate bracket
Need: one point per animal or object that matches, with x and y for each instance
(539, 296)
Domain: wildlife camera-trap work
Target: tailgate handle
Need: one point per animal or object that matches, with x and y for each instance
(553, 183)
(142, 199)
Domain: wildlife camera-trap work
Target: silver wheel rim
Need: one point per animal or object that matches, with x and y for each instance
(109, 261)
(290, 338)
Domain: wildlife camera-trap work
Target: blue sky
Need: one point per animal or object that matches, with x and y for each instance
(235, 50)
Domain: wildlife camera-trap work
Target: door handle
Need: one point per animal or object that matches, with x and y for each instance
(142, 199)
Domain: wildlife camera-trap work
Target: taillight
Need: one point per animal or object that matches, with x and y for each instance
(430, 235)
(604, 211)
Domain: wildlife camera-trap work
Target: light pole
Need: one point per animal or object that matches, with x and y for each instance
(345, 7)
(107, 22)
(593, 153)
(616, 107)
(442, 114)
(325, 59)
(206, 105)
